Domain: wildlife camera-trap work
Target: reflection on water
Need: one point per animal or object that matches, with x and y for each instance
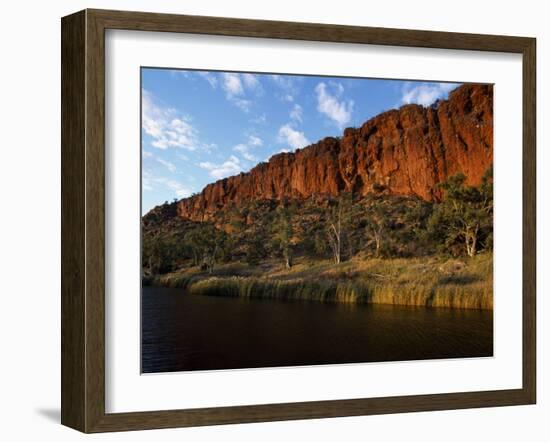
(183, 332)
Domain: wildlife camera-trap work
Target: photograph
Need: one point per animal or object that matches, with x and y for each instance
(300, 220)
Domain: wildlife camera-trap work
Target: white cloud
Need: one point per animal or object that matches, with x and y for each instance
(289, 86)
(283, 81)
(146, 183)
(232, 84)
(425, 94)
(292, 137)
(149, 182)
(330, 105)
(241, 148)
(166, 126)
(255, 141)
(260, 119)
(170, 166)
(179, 189)
(242, 104)
(208, 147)
(338, 87)
(212, 80)
(251, 82)
(231, 166)
(296, 113)
(245, 148)
(236, 86)
(178, 72)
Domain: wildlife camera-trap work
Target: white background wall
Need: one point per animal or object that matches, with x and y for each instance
(30, 217)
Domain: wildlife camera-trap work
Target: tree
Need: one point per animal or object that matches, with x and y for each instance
(465, 216)
(283, 232)
(212, 240)
(193, 241)
(376, 222)
(206, 243)
(256, 246)
(338, 220)
(236, 220)
(159, 254)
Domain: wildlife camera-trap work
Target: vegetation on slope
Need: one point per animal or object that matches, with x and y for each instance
(377, 248)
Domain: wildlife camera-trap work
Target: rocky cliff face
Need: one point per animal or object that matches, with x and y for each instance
(407, 151)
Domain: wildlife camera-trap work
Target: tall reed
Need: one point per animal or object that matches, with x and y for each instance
(451, 296)
(432, 282)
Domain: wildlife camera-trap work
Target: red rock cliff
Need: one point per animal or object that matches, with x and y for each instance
(407, 151)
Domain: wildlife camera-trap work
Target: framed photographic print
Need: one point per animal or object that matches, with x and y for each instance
(268, 220)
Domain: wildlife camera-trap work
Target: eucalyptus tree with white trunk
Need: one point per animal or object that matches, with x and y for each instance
(338, 221)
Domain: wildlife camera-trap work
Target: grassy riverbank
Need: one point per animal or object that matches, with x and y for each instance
(435, 281)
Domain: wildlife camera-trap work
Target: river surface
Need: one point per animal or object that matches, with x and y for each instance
(182, 332)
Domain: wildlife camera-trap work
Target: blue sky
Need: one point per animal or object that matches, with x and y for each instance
(201, 126)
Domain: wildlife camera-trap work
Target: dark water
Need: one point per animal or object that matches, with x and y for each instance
(183, 332)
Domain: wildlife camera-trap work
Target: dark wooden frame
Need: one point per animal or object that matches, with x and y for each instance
(83, 216)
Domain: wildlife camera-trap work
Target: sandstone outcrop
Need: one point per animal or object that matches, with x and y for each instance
(406, 151)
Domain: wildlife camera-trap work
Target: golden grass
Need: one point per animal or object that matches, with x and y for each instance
(434, 282)
(323, 291)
